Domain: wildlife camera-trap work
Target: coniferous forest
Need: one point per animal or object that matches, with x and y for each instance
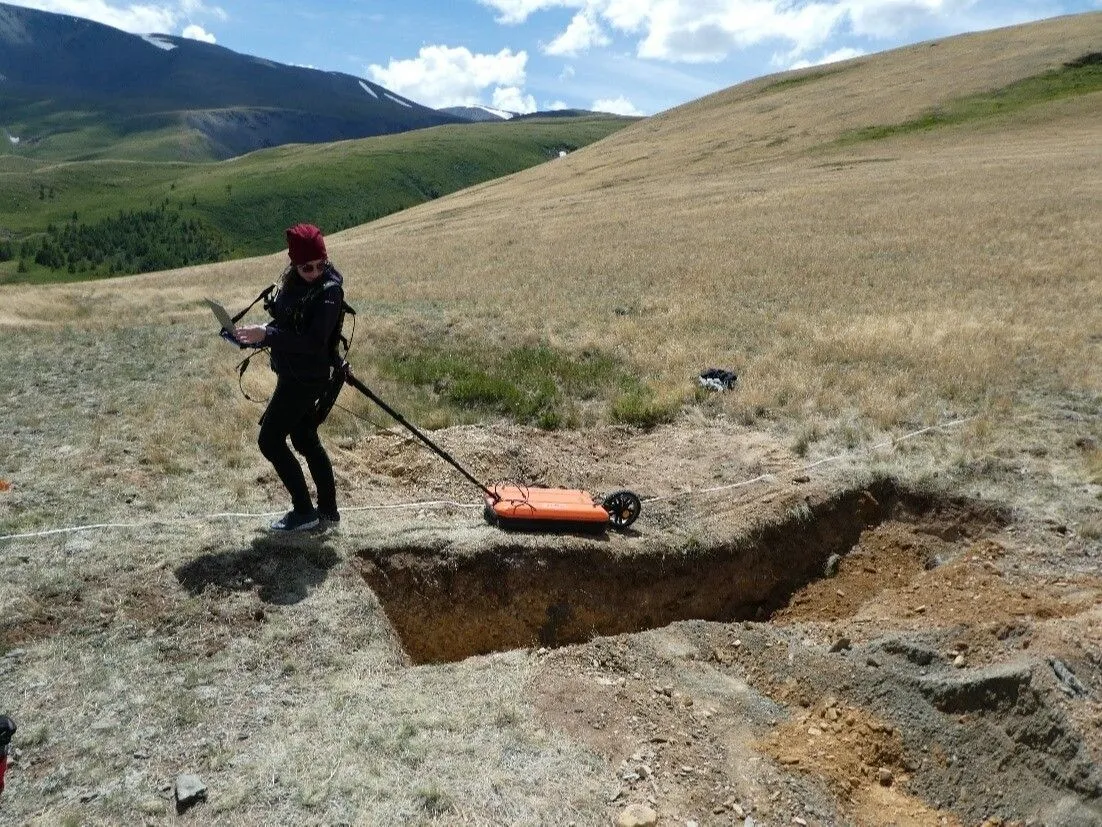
(131, 242)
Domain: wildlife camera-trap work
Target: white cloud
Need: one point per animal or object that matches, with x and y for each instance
(517, 11)
(616, 106)
(443, 76)
(199, 33)
(513, 99)
(884, 18)
(679, 31)
(132, 17)
(833, 57)
(555, 106)
(697, 31)
(583, 32)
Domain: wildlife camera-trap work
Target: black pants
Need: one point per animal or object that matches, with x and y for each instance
(291, 413)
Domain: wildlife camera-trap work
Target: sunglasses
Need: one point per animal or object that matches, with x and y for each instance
(311, 267)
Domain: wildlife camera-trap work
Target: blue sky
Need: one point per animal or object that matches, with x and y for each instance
(628, 56)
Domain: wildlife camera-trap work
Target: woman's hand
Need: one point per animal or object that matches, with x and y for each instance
(253, 334)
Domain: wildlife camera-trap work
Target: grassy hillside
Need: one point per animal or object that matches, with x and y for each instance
(865, 290)
(249, 200)
(80, 133)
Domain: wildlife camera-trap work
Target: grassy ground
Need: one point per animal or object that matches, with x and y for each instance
(861, 291)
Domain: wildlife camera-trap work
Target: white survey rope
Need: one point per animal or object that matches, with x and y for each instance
(816, 464)
(452, 504)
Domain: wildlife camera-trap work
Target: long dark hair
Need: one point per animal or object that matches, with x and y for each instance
(290, 273)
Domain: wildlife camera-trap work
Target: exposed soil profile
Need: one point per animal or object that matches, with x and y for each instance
(447, 607)
(874, 644)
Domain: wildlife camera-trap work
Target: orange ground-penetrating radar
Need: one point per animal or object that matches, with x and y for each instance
(521, 507)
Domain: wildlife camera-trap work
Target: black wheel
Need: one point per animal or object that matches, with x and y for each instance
(622, 507)
(489, 515)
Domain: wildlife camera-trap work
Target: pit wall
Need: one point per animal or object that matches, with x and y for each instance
(446, 607)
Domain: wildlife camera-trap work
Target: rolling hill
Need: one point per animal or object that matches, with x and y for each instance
(239, 206)
(864, 585)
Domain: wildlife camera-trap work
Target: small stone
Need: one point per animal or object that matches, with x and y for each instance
(637, 816)
(800, 821)
(190, 790)
(885, 777)
(958, 661)
(831, 567)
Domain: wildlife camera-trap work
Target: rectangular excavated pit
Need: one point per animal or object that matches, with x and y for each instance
(508, 595)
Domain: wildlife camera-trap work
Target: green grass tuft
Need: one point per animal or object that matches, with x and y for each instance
(641, 408)
(529, 384)
(800, 80)
(1075, 78)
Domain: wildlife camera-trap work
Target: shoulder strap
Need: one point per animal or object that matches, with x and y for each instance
(267, 291)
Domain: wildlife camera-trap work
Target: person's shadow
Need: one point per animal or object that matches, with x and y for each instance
(281, 571)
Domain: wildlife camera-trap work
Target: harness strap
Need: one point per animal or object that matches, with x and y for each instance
(267, 291)
(339, 368)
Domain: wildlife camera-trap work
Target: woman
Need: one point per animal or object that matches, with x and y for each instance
(305, 314)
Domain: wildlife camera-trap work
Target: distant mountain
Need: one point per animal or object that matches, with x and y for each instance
(69, 86)
(486, 113)
(478, 113)
(564, 113)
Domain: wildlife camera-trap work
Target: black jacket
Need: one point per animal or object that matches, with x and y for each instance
(304, 323)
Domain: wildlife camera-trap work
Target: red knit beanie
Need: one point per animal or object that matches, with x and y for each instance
(305, 243)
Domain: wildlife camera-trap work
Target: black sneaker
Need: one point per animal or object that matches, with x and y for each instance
(296, 521)
(331, 519)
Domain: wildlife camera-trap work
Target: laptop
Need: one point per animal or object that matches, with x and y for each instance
(227, 324)
(222, 316)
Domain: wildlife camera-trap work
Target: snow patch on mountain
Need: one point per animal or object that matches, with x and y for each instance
(479, 113)
(153, 40)
(501, 113)
(399, 101)
(368, 89)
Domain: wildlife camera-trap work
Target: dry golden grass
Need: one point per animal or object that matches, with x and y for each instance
(897, 279)
(859, 290)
